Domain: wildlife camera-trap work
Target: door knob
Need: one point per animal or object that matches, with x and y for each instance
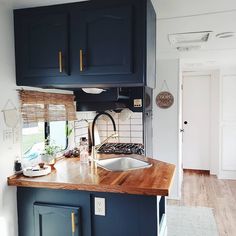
(185, 122)
(182, 130)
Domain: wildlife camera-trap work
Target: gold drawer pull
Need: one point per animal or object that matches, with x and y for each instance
(81, 59)
(73, 222)
(60, 62)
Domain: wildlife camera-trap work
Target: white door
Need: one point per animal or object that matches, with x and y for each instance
(196, 122)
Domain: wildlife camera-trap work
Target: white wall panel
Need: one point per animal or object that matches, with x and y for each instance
(229, 147)
(229, 98)
(228, 124)
(165, 121)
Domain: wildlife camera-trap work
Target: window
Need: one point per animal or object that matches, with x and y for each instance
(44, 115)
(58, 133)
(34, 135)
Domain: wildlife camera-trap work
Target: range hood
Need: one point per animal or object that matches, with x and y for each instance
(136, 99)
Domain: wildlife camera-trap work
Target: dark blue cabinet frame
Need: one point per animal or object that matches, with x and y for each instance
(106, 43)
(126, 215)
(56, 220)
(105, 38)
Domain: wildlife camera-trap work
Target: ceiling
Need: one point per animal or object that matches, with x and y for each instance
(180, 16)
(179, 8)
(165, 8)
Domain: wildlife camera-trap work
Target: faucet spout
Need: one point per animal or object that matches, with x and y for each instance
(96, 147)
(94, 121)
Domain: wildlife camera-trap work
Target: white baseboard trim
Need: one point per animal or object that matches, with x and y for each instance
(227, 175)
(173, 198)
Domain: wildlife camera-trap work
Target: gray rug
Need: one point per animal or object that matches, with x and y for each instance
(191, 221)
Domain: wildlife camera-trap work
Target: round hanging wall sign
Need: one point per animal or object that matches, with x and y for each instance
(164, 99)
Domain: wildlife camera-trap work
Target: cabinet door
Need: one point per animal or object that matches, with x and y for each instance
(56, 220)
(42, 44)
(105, 41)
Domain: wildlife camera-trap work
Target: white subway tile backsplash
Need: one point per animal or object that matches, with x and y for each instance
(125, 140)
(102, 133)
(137, 115)
(136, 140)
(115, 115)
(130, 130)
(124, 122)
(101, 127)
(109, 133)
(124, 134)
(77, 132)
(114, 140)
(136, 134)
(80, 131)
(136, 128)
(124, 127)
(111, 128)
(101, 122)
(91, 115)
(102, 138)
(136, 122)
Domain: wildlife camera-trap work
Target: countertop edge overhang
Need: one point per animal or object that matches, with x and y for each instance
(71, 175)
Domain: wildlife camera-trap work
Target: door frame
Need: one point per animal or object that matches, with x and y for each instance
(214, 116)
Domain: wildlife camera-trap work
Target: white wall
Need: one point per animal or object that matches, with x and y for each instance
(227, 165)
(8, 149)
(215, 119)
(188, 16)
(165, 121)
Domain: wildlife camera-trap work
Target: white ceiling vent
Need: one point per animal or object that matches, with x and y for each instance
(192, 39)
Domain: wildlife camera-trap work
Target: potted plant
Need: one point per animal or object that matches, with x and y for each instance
(50, 152)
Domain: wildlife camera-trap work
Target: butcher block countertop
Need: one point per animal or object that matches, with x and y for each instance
(71, 175)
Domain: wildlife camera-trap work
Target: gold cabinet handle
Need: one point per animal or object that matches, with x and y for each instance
(73, 222)
(60, 62)
(81, 59)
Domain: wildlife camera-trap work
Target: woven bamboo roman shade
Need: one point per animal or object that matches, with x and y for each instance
(45, 107)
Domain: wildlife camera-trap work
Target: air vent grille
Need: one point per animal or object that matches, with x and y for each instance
(189, 38)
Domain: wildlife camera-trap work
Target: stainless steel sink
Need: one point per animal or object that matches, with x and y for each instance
(122, 164)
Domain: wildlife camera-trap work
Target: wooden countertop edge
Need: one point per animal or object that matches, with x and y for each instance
(117, 186)
(92, 188)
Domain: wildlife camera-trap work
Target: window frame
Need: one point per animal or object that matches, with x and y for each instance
(47, 132)
(45, 137)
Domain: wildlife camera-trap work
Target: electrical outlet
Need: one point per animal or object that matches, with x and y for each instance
(99, 206)
(138, 103)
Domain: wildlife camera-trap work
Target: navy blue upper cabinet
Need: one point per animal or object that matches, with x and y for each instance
(41, 45)
(56, 220)
(105, 43)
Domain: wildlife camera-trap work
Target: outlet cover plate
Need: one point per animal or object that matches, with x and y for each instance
(99, 206)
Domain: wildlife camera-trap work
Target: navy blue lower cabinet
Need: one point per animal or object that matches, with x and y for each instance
(56, 220)
(48, 212)
(126, 215)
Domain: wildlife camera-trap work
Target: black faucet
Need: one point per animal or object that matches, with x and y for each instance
(94, 121)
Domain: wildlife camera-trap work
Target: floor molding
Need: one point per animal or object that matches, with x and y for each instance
(199, 172)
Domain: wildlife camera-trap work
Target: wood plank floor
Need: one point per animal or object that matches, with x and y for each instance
(208, 191)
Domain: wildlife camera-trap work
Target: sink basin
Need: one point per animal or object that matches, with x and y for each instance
(122, 164)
